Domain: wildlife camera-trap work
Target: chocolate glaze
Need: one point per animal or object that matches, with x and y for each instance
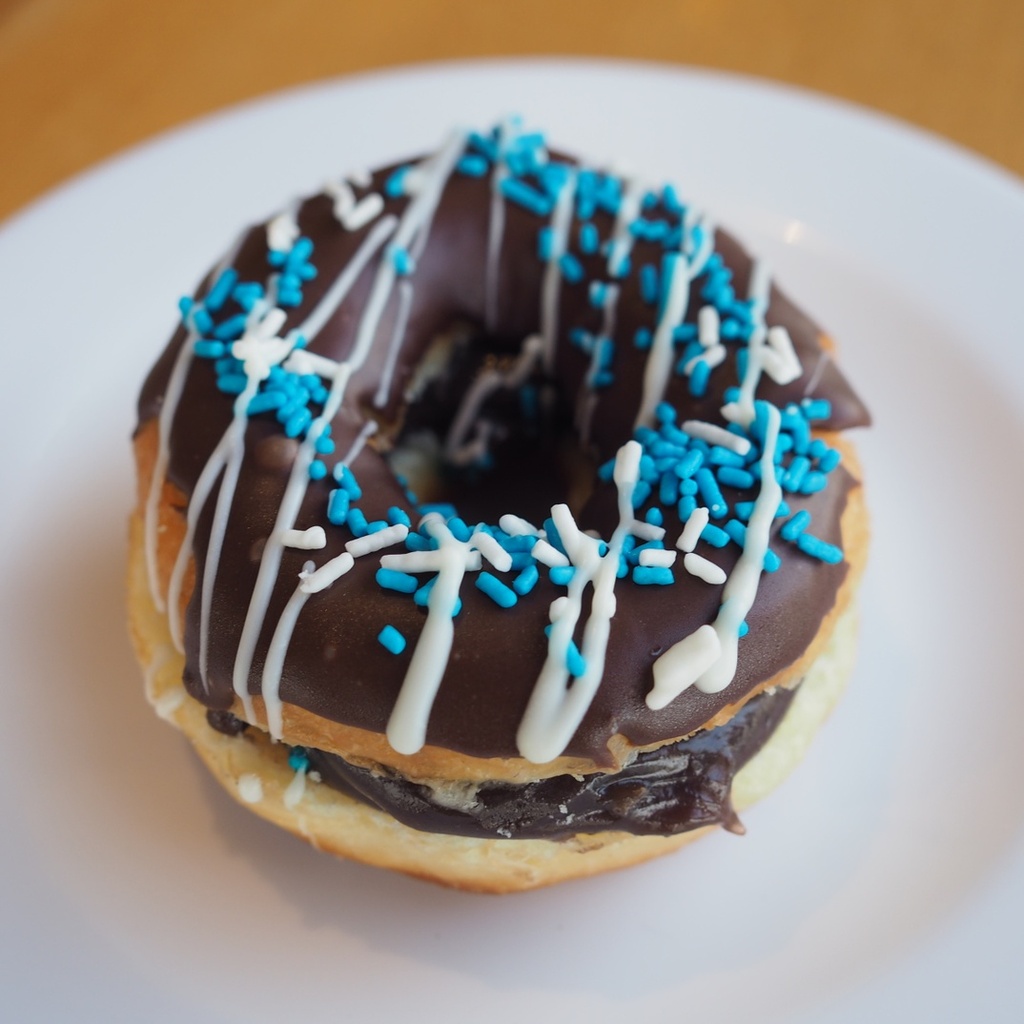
(676, 788)
(335, 667)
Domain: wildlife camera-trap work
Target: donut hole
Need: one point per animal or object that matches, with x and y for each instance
(486, 432)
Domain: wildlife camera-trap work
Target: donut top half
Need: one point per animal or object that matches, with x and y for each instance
(628, 508)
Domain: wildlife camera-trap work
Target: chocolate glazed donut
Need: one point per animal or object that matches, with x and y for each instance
(531, 316)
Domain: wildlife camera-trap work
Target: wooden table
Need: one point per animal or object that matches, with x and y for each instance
(81, 79)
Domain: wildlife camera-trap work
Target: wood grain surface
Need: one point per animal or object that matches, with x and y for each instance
(82, 79)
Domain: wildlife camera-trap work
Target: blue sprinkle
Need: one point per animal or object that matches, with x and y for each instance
(772, 562)
(347, 479)
(356, 522)
(654, 517)
(656, 575)
(459, 530)
(324, 445)
(560, 575)
(791, 531)
(423, 594)
(442, 508)
(688, 465)
(403, 262)
(670, 199)
(795, 475)
(394, 187)
(820, 549)
(572, 269)
(233, 327)
(545, 244)
(501, 595)
(665, 412)
(207, 349)
(266, 401)
(606, 470)
(729, 476)
(707, 485)
(643, 338)
(472, 165)
(589, 239)
(699, 377)
(221, 289)
(232, 383)
(714, 536)
(393, 579)
(830, 460)
(526, 580)
(554, 538)
(337, 506)
(687, 506)
(202, 320)
(743, 630)
(298, 423)
(649, 287)
(817, 408)
(398, 517)
(317, 470)
(297, 759)
(641, 492)
(813, 482)
(719, 456)
(391, 640)
(521, 193)
(376, 526)
(574, 661)
(737, 532)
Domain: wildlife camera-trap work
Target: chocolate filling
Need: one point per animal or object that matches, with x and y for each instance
(676, 788)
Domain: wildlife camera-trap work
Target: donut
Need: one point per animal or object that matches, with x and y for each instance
(497, 521)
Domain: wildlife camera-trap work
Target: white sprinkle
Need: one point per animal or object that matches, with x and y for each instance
(314, 582)
(302, 361)
(566, 526)
(306, 540)
(707, 326)
(360, 176)
(548, 555)
(693, 529)
(699, 566)
(375, 541)
(656, 557)
(368, 208)
(781, 362)
(714, 434)
(282, 232)
(250, 789)
(682, 665)
(343, 196)
(425, 561)
(516, 527)
(646, 531)
(491, 550)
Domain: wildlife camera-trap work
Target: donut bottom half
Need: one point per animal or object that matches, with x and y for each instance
(255, 772)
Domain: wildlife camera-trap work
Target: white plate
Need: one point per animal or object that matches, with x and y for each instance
(884, 882)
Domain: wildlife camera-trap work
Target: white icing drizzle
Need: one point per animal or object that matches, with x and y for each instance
(412, 228)
(621, 243)
(677, 668)
(323, 577)
(295, 791)
(169, 409)
(556, 708)
(276, 653)
(407, 726)
(367, 431)
(561, 221)
(659, 361)
(587, 402)
(742, 410)
(456, 447)
(405, 293)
